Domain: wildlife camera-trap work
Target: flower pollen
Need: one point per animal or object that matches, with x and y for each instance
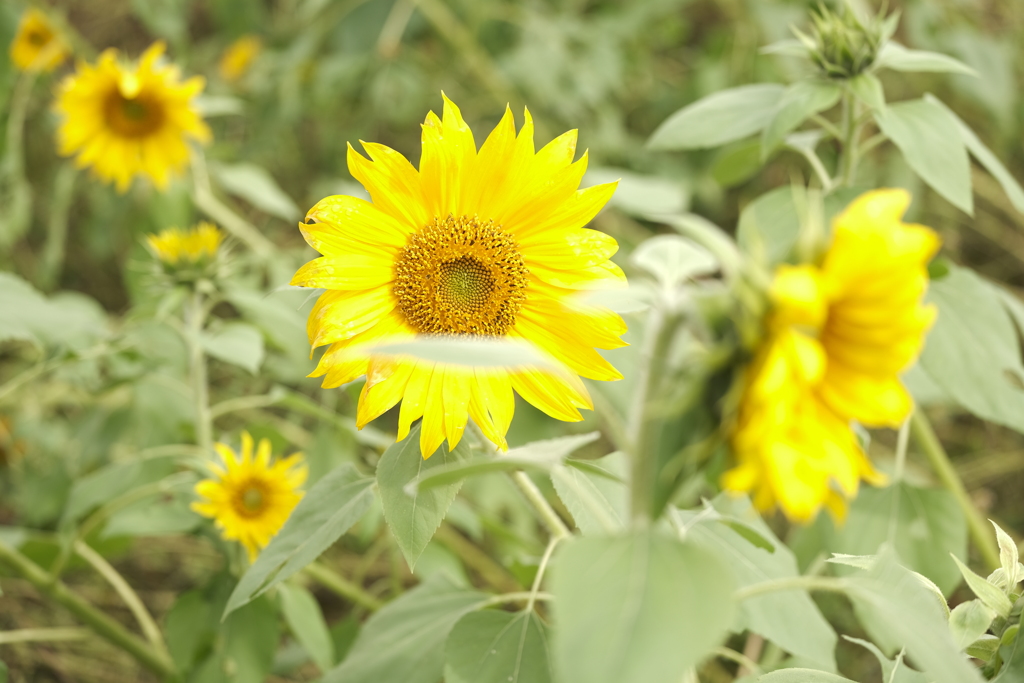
(460, 276)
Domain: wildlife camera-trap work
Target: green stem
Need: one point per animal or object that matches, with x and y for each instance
(42, 635)
(195, 317)
(52, 259)
(541, 568)
(547, 514)
(127, 594)
(157, 662)
(476, 559)
(339, 585)
(524, 596)
(790, 583)
(206, 200)
(939, 460)
(851, 131)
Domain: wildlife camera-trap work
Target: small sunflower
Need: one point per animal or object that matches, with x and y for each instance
(128, 120)
(839, 335)
(249, 498)
(197, 245)
(37, 44)
(238, 57)
(484, 243)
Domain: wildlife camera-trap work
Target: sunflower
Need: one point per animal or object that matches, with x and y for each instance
(839, 335)
(249, 498)
(128, 120)
(238, 57)
(479, 244)
(174, 245)
(37, 45)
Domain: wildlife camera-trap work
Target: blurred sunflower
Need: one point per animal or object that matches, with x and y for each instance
(174, 245)
(37, 44)
(128, 120)
(839, 336)
(249, 498)
(238, 57)
(480, 244)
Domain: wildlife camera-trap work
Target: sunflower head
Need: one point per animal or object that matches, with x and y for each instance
(238, 57)
(249, 497)
(187, 255)
(484, 242)
(37, 44)
(124, 120)
(838, 336)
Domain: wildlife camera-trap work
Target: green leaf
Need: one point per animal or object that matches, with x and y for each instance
(897, 612)
(801, 676)
(413, 519)
(250, 641)
(256, 186)
(643, 607)
(719, 118)
(898, 58)
(218, 105)
(470, 352)
(306, 622)
(800, 101)
(538, 455)
(112, 481)
(639, 194)
(969, 621)
(927, 528)
(1013, 661)
(931, 142)
(972, 351)
(993, 598)
(237, 343)
(892, 671)
(66, 320)
(1009, 557)
(498, 647)
(596, 497)
(984, 648)
(868, 89)
(404, 641)
(673, 259)
(790, 619)
(327, 511)
(986, 158)
(187, 628)
(158, 515)
(737, 163)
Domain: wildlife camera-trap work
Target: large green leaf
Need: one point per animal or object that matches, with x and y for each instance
(973, 352)
(498, 647)
(893, 670)
(924, 526)
(898, 58)
(539, 455)
(790, 619)
(69, 320)
(414, 517)
(643, 607)
(237, 343)
(328, 510)
(719, 118)
(899, 612)
(404, 641)
(930, 140)
(112, 481)
(256, 186)
(245, 650)
(800, 101)
(596, 496)
(306, 622)
(638, 194)
(801, 676)
(986, 158)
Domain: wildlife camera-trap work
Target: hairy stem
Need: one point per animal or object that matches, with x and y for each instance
(206, 200)
(151, 658)
(195, 317)
(929, 443)
(547, 513)
(43, 635)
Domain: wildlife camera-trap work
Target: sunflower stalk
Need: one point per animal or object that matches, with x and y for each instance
(342, 587)
(150, 657)
(547, 513)
(206, 200)
(926, 439)
(851, 130)
(195, 320)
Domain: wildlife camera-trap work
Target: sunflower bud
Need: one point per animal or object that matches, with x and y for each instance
(187, 255)
(843, 45)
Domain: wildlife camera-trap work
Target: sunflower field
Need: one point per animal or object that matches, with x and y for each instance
(511, 341)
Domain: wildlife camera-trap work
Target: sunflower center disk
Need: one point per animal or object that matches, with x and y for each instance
(132, 117)
(250, 500)
(460, 276)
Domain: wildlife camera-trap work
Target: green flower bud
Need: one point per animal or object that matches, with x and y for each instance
(841, 45)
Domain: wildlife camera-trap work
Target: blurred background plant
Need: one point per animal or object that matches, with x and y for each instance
(106, 357)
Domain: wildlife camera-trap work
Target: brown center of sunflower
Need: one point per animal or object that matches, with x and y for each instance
(38, 37)
(250, 500)
(460, 276)
(133, 117)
